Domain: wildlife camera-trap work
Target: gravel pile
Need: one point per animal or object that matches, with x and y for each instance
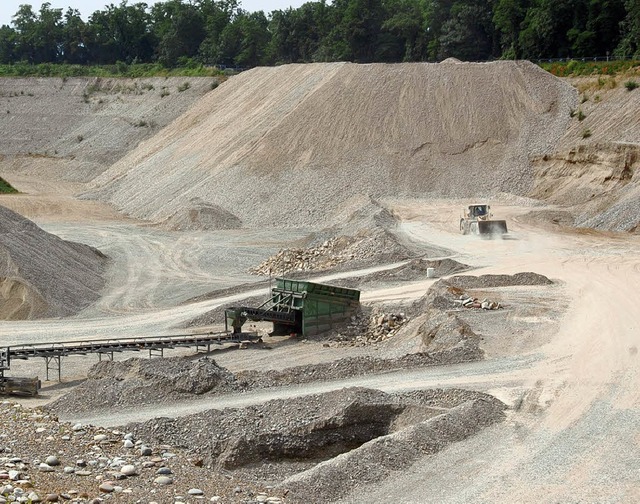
(199, 214)
(307, 439)
(370, 247)
(42, 275)
(114, 384)
(43, 460)
(306, 141)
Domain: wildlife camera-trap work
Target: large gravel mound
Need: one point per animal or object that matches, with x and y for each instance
(42, 275)
(296, 144)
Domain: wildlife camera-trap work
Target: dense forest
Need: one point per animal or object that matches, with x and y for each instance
(183, 32)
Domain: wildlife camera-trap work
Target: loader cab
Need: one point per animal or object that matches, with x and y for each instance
(478, 210)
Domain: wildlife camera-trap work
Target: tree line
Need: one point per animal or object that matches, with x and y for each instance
(219, 32)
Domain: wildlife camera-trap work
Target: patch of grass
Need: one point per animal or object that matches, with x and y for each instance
(183, 87)
(164, 92)
(574, 68)
(581, 115)
(586, 133)
(631, 85)
(214, 84)
(6, 187)
(596, 98)
(585, 98)
(118, 70)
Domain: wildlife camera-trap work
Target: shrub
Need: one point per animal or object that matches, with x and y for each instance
(586, 133)
(581, 116)
(164, 92)
(184, 87)
(631, 85)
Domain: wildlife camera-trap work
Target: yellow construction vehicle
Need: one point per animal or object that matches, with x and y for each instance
(477, 219)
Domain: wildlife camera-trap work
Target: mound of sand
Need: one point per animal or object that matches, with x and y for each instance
(42, 275)
(202, 215)
(291, 145)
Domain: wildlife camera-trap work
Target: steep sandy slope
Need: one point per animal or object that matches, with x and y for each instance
(293, 145)
(73, 129)
(596, 171)
(42, 275)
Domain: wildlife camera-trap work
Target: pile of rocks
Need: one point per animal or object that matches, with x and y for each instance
(301, 259)
(362, 248)
(370, 328)
(43, 460)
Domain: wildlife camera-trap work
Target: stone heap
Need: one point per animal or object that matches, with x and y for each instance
(376, 327)
(301, 259)
(363, 248)
(43, 460)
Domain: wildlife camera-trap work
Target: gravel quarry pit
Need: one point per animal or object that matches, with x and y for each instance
(357, 174)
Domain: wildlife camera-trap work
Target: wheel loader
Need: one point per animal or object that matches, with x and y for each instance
(478, 220)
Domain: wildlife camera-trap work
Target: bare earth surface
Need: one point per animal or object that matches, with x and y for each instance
(539, 401)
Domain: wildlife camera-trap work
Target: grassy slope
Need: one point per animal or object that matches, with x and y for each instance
(6, 188)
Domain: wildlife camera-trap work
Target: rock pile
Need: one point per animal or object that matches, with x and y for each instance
(359, 249)
(318, 258)
(370, 328)
(44, 460)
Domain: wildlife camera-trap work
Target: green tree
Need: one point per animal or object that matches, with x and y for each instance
(74, 38)
(630, 27)
(508, 15)
(121, 33)
(405, 20)
(356, 33)
(179, 29)
(7, 45)
(297, 34)
(217, 17)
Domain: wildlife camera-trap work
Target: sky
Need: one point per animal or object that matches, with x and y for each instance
(86, 7)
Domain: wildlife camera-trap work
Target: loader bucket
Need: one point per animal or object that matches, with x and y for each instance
(489, 227)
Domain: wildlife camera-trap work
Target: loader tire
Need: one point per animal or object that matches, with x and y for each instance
(463, 227)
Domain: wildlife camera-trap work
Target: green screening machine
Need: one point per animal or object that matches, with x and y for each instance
(298, 307)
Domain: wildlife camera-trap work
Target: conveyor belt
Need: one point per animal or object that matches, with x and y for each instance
(53, 352)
